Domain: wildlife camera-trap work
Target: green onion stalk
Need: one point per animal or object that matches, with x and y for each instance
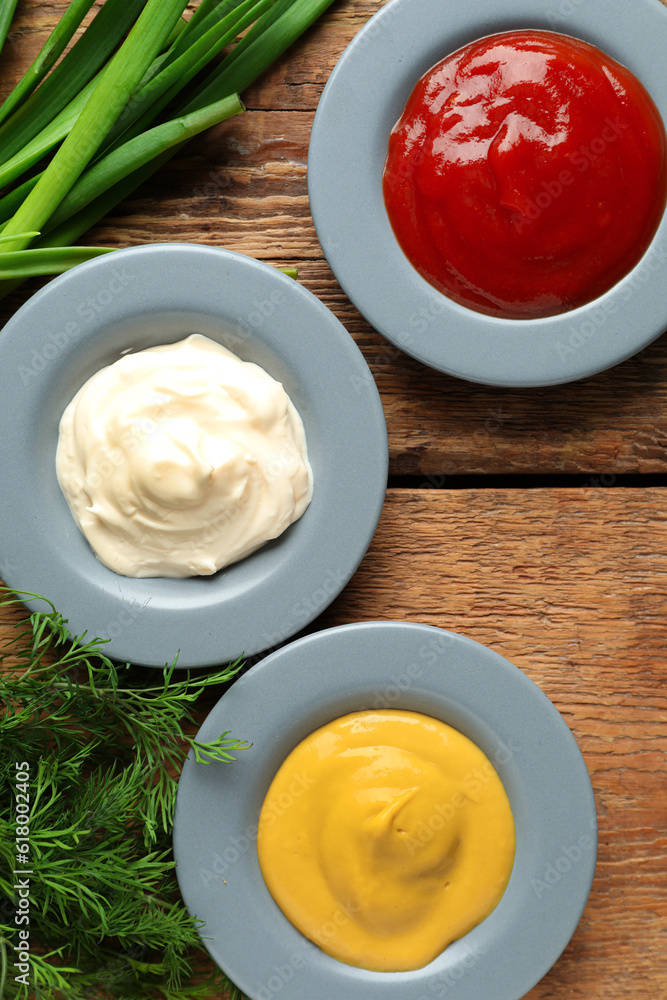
(49, 55)
(103, 107)
(79, 66)
(7, 8)
(97, 115)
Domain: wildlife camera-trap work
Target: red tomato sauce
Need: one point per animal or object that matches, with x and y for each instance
(527, 174)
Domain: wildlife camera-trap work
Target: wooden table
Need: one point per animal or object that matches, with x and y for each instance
(534, 521)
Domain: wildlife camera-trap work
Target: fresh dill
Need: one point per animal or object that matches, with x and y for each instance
(103, 745)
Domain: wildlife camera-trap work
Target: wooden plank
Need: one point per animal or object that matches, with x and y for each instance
(571, 586)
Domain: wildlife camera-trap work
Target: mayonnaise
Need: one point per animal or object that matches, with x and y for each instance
(384, 837)
(181, 459)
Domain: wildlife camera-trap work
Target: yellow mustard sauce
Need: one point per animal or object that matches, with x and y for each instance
(385, 836)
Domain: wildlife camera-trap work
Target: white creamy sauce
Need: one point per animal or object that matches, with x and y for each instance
(181, 459)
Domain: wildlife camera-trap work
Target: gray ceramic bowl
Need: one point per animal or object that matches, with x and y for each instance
(156, 294)
(388, 665)
(360, 104)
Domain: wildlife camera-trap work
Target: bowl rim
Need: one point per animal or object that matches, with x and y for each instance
(158, 293)
(361, 101)
(371, 665)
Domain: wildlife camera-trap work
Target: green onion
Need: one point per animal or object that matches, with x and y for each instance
(139, 151)
(179, 28)
(11, 201)
(84, 220)
(102, 110)
(47, 58)
(49, 137)
(261, 46)
(7, 8)
(257, 31)
(125, 71)
(159, 91)
(25, 263)
(79, 66)
(201, 15)
(148, 102)
(5, 239)
(286, 20)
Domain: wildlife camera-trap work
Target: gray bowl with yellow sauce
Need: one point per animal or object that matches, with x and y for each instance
(396, 665)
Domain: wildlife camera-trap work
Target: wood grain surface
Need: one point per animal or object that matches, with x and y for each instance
(569, 584)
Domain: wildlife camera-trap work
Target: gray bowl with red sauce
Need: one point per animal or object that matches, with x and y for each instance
(362, 102)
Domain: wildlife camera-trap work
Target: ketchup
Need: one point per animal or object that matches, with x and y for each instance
(527, 174)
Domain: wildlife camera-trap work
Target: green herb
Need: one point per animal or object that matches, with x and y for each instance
(7, 8)
(78, 67)
(157, 93)
(47, 58)
(6, 239)
(102, 744)
(138, 151)
(99, 107)
(269, 38)
(44, 141)
(11, 201)
(208, 11)
(25, 263)
(105, 104)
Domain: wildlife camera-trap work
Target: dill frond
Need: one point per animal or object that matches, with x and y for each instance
(104, 744)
